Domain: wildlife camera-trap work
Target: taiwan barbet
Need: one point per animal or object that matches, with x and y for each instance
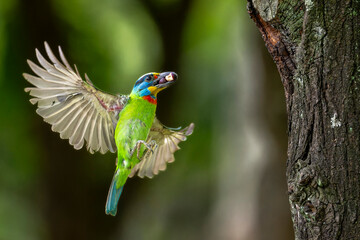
(124, 123)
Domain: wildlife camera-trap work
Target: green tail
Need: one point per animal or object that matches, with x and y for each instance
(113, 196)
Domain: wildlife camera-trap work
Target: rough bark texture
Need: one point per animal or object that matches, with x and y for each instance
(315, 45)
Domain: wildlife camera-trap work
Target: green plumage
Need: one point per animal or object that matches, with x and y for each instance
(134, 124)
(127, 124)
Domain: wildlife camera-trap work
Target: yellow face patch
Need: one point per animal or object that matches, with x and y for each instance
(154, 90)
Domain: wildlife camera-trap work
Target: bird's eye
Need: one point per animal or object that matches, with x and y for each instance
(147, 78)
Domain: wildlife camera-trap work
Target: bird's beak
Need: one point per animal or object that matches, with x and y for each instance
(164, 80)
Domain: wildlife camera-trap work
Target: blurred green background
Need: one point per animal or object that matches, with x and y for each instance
(228, 181)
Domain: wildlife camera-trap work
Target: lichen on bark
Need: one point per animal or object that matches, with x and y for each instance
(266, 9)
(315, 45)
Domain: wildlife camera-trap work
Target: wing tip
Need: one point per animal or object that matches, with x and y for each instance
(28, 89)
(33, 101)
(26, 76)
(46, 44)
(190, 129)
(37, 52)
(29, 61)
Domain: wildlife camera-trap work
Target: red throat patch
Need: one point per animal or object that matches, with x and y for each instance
(150, 99)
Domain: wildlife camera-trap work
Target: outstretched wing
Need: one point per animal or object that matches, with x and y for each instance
(165, 142)
(74, 107)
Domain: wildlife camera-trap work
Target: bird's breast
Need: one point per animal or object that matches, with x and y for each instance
(134, 123)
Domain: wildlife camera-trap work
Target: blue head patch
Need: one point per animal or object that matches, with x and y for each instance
(148, 85)
(143, 83)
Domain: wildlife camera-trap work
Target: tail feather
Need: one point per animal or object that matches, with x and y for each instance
(113, 196)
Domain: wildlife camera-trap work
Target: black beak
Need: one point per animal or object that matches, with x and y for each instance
(165, 79)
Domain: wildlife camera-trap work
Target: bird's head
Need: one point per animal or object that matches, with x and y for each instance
(150, 84)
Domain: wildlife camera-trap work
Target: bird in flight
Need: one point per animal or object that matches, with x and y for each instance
(125, 124)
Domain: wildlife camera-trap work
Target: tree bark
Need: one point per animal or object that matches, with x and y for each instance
(315, 45)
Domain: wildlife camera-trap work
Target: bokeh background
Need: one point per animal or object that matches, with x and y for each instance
(228, 181)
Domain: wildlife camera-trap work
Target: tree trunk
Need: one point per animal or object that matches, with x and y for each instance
(315, 45)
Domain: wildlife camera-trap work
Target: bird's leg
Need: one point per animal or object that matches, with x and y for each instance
(150, 146)
(138, 146)
(153, 145)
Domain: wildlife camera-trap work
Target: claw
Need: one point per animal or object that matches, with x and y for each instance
(138, 146)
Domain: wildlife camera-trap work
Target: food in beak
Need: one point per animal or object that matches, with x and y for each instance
(165, 79)
(169, 77)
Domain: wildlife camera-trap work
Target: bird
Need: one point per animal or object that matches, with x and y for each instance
(126, 124)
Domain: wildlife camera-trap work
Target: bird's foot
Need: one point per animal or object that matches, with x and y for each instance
(138, 146)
